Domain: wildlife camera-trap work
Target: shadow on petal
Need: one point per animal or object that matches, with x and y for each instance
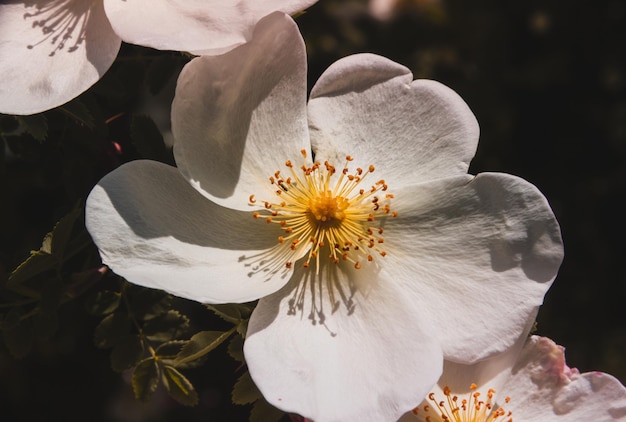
(155, 201)
(61, 24)
(229, 110)
(534, 254)
(316, 297)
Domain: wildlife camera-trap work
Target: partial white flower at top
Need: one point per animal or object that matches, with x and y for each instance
(53, 50)
(353, 218)
(532, 386)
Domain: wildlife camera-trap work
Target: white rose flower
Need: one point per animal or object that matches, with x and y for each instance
(353, 218)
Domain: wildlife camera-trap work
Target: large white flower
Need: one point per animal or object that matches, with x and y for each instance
(532, 386)
(372, 263)
(53, 50)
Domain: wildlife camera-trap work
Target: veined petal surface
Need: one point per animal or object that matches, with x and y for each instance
(51, 51)
(157, 231)
(197, 26)
(369, 364)
(476, 256)
(369, 107)
(238, 117)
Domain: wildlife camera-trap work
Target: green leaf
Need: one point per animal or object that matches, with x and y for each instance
(235, 348)
(79, 112)
(37, 263)
(145, 379)
(231, 312)
(148, 303)
(35, 125)
(167, 353)
(245, 391)
(46, 244)
(147, 138)
(167, 326)
(262, 411)
(201, 344)
(170, 349)
(126, 353)
(103, 302)
(179, 387)
(50, 255)
(242, 327)
(111, 330)
(61, 233)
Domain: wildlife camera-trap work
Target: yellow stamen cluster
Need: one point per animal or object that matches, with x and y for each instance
(470, 409)
(320, 210)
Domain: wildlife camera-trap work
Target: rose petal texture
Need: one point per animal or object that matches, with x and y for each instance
(543, 389)
(51, 52)
(154, 229)
(476, 256)
(370, 108)
(238, 117)
(371, 369)
(210, 26)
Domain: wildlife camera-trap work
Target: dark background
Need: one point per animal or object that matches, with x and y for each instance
(547, 82)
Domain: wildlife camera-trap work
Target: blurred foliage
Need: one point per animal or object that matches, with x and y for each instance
(547, 81)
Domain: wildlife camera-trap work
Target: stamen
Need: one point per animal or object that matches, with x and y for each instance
(471, 409)
(321, 206)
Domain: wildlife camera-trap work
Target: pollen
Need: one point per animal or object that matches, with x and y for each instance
(327, 214)
(472, 408)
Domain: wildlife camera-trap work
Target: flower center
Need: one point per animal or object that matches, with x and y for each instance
(322, 212)
(328, 209)
(470, 409)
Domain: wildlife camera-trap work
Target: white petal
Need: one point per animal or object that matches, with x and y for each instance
(238, 117)
(52, 52)
(155, 230)
(488, 374)
(370, 364)
(476, 255)
(544, 389)
(197, 26)
(370, 108)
